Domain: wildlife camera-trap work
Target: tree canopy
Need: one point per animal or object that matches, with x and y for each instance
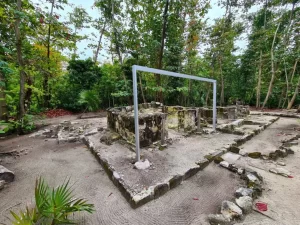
(41, 67)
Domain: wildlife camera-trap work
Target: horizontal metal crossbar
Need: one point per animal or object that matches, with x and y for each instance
(136, 68)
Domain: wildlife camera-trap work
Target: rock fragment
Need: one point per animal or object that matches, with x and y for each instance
(280, 171)
(6, 175)
(230, 210)
(142, 165)
(243, 192)
(92, 132)
(218, 219)
(2, 183)
(224, 164)
(245, 203)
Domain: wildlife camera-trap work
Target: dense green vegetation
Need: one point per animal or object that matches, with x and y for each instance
(36, 73)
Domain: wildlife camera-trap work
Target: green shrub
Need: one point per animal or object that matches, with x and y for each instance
(90, 100)
(52, 206)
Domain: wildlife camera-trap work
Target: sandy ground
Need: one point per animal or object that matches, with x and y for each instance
(269, 141)
(281, 193)
(56, 162)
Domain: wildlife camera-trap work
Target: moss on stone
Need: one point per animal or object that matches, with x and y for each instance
(218, 159)
(254, 155)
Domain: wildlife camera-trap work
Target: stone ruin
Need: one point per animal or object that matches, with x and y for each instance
(151, 122)
(155, 119)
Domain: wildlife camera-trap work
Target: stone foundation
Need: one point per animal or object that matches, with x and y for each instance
(155, 119)
(151, 123)
(181, 118)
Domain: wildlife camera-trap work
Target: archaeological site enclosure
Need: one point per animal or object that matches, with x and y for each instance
(149, 148)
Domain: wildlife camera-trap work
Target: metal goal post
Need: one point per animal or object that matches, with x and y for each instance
(136, 68)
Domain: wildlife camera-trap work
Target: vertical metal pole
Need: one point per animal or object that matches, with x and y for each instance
(215, 105)
(163, 123)
(136, 115)
(198, 115)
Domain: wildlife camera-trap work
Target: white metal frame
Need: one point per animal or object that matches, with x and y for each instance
(136, 68)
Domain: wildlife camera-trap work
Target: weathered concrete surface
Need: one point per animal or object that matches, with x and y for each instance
(177, 159)
(271, 139)
(282, 113)
(183, 158)
(250, 125)
(55, 162)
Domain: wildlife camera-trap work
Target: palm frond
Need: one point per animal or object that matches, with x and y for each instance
(53, 206)
(90, 99)
(29, 217)
(41, 195)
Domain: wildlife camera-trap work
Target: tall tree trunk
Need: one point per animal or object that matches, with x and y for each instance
(99, 42)
(20, 62)
(118, 47)
(118, 50)
(207, 95)
(286, 42)
(189, 93)
(291, 103)
(161, 51)
(3, 106)
(286, 89)
(287, 83)
(222, 100)
(47, 74)
(281, 98)
(258, 90)
(294, 69)
(259, 81)
(142, 91)
(28, 92)
(73, 57)
(271, 84)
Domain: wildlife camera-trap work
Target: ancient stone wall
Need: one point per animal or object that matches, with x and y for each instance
(181, 118)
(151, 123)
(154, 119)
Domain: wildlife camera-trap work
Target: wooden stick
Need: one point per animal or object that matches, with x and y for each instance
(264, 214)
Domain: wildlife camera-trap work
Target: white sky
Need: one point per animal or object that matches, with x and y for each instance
(84, 51)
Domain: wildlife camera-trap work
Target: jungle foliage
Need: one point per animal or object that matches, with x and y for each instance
(36, 73)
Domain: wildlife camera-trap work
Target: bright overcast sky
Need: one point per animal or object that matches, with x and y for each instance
(84, 51)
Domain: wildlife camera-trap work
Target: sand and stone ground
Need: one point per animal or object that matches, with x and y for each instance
(55, 162)
(281, 193)
(178, 158)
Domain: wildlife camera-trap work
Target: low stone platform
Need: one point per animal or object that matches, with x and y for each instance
(279, 132)
(183, 158)
(282, 113)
